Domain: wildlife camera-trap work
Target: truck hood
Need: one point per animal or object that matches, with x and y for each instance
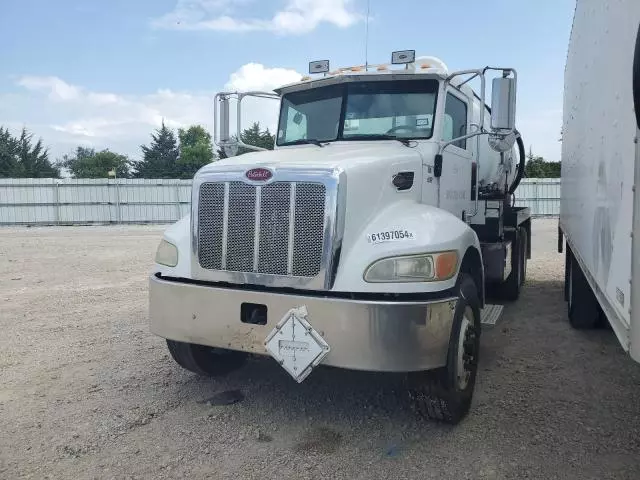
(335, 154)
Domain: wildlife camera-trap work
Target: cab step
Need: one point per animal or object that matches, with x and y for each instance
(490, 314)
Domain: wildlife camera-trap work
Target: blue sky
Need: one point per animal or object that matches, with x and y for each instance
(105, 73)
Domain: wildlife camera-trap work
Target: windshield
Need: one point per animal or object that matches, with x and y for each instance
(403, 109)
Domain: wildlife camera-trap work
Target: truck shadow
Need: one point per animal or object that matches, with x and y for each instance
(332, 409)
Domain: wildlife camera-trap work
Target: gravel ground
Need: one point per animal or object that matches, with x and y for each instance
(87, 392)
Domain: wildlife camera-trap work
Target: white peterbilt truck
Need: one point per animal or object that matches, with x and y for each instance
(364, 240)
(600, 200)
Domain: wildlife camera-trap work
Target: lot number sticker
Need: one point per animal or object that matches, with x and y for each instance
(395, 235)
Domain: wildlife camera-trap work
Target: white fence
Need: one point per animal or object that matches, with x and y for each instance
(46, 201)
(541, 195)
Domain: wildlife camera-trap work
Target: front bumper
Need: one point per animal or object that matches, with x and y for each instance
(363, 335)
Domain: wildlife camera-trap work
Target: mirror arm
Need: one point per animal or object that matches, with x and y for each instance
(469, 79)
(241, 96)
(239, 141)
(464, 137)
(474, 74)
(221, 136)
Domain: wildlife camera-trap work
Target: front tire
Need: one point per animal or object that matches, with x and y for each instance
(445, 394)
(205, 361)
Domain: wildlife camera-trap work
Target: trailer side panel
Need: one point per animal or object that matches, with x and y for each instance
(598, 151)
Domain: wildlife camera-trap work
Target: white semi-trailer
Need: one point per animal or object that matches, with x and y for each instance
(600, 206)
(364, 240)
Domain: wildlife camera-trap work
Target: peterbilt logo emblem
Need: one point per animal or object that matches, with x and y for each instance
(258, 174)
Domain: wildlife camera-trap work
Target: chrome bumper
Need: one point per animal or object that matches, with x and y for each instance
(363, 335)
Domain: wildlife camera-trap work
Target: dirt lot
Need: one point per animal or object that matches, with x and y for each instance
(87, 392)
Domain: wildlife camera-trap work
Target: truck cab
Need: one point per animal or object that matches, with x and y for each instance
(364, 240)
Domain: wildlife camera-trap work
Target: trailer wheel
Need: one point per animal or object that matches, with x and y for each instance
(205, 361)
(512, 286)
(445, 394)
(583, 309)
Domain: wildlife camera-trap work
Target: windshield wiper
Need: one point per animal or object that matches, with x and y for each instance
(303, 141)
(379, 136)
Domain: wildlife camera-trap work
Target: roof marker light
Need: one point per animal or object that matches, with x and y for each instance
(403, 56)
(319, 66)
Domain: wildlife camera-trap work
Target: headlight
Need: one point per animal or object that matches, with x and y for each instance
(431, 267)
(167, 254)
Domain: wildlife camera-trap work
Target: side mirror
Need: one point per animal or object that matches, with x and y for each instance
(503, 114)
(503, 104)
(221, 128)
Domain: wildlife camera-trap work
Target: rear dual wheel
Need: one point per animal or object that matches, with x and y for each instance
(513, 285)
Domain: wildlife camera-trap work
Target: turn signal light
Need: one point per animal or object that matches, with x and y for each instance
(446, 264)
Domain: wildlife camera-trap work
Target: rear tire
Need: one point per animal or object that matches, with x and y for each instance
(513, 285)
(204, 360)
(524, 248)
(445, 394)
(582, 306)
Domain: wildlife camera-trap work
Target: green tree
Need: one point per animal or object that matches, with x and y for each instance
(196, 150)
(87, 163)
(538, 167)
(159, 159)
(253, 136)
(19, 157)
(33, 160)
(8, 154)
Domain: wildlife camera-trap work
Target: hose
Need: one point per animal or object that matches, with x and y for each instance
(521, 165)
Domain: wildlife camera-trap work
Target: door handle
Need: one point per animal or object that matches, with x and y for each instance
(437, 166)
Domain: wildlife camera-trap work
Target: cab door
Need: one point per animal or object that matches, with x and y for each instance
(454, 190)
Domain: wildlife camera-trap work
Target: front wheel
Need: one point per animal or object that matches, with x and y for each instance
(445, 394)
(205, 361)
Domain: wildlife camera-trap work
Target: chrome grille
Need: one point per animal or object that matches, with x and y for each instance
(240, 232)
(211, 216)
(307, 236)
(275, 229)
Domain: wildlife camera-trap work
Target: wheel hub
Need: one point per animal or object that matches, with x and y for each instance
(467, 355)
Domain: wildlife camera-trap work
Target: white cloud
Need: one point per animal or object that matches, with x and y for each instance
(297, 17)
(103, 98)
(58, 89)
(67, 115)
(254, 76)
